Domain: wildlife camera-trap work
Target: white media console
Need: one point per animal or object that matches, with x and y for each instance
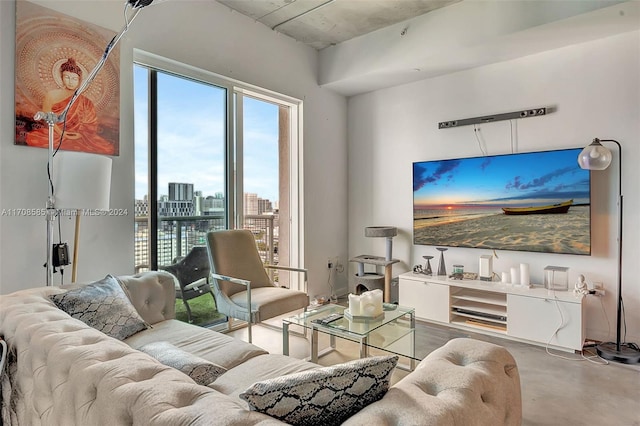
(534, 315)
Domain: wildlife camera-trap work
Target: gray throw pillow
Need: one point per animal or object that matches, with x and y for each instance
(200, 370)
(323, 396)
(104, 306)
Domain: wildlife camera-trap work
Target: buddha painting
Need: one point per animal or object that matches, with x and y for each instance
(54, 54)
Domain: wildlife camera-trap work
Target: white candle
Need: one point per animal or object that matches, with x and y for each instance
(505, 278)
(354, 304)
(524, 274)
(514, 275)
(377, 302)
(368, 307)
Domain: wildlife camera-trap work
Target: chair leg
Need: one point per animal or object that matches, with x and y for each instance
(186, 305)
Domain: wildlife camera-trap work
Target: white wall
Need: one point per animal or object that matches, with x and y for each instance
(205, 35)
(595, 88)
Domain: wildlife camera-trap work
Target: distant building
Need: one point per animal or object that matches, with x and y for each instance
(180, 191)
(264, 206)
(250, 204)
(141, 207)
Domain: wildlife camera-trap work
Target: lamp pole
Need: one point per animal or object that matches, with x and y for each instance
(52, 119)
(603, 351)
(619, 351)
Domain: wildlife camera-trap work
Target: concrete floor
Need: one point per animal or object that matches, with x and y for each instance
(558, 388)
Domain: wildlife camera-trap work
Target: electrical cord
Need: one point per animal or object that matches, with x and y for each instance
(476, 130)
(3, 358)
(511, 127)
(134, 5)
(593, 358)
(86, 82)
(329, 282)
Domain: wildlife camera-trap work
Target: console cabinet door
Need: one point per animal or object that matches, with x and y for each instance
(537, 319)
(430, 300)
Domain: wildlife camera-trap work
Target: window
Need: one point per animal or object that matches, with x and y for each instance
(211, 153)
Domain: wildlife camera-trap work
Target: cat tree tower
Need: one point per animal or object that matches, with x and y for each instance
(367, 281)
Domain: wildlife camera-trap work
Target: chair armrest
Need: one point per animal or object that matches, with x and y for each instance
(194, 285)
(240, 281)
(246, 283)
(289, 268)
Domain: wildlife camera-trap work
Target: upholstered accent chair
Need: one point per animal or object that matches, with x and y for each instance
(241, 285)
(192, 272)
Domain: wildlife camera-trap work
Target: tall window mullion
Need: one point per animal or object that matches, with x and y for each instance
(153, 167)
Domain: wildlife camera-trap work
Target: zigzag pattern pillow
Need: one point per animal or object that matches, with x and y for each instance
(324, 396)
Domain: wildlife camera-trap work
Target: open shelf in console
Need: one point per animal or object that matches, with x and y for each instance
(479, 308)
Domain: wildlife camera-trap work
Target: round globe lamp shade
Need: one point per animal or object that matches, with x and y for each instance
(595, 156)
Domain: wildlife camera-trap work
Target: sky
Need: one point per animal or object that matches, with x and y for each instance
(518, 180)
(191, 138)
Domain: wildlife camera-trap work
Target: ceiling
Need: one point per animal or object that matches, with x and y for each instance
(323, 23)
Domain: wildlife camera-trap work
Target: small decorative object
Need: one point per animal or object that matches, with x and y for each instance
(366, 307)
(581, 286)
(524, 274)
(320, 300)
(486, 267)
(515, 275)
(458, 272)
(505, 278)
(442, 269)
(427, 266)
(469, 276)
(556, 278)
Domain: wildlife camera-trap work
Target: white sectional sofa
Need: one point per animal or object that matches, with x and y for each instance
(64, 372)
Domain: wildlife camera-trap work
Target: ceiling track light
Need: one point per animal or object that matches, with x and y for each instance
(526, 113)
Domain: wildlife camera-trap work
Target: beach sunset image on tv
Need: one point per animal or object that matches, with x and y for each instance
(537, 201)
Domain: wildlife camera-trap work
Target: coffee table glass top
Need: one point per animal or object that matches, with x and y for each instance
(392, 333)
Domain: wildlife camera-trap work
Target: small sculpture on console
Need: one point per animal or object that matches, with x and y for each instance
(442, 269)
(427, 266)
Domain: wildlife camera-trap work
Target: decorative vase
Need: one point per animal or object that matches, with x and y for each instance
(427, 266)
(442, 269)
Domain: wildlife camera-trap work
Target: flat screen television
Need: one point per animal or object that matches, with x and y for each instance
(535, 201)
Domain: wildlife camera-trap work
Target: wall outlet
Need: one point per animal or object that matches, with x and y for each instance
(598, 288)
(333, 263)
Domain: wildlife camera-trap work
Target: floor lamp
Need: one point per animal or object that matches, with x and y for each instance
(52, 119)
(82, 183)
(596, 157)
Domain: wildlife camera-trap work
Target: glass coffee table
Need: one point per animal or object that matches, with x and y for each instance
(394, 332)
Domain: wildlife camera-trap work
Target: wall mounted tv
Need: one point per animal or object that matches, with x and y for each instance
(535, 201)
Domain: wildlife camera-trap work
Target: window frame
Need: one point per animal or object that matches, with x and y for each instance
(235, 90)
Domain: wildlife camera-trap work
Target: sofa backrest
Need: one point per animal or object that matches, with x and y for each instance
(67, 373)
(153, 294)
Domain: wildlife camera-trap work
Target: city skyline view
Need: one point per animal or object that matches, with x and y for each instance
(191, 138)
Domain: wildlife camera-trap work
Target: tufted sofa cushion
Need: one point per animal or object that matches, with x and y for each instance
(465, 382)
(152, 294)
